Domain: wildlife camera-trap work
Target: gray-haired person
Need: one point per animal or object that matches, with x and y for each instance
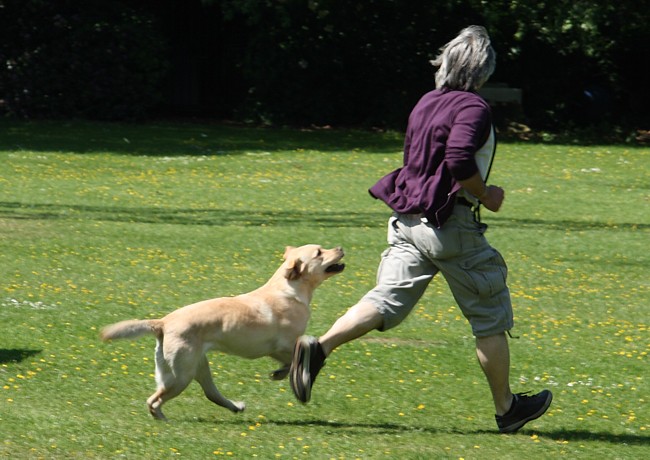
(434, 227)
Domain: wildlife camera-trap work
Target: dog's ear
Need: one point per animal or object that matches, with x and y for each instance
(293, 269)
(287, 250)
(294, 265)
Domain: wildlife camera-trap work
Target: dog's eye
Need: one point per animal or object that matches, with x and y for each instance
(319, 253)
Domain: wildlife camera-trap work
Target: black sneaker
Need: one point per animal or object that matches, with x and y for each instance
(308, 360)
(523, 410)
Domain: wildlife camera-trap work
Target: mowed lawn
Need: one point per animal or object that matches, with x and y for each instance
(104, 222)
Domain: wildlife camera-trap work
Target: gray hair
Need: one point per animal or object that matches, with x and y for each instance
(466, 62)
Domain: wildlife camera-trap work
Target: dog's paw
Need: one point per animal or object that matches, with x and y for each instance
(238, 406)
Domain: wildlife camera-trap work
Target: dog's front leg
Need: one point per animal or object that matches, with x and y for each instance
(204, 377)
(281, 373)
(284, 358)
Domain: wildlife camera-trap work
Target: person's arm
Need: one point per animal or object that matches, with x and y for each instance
(490, 195)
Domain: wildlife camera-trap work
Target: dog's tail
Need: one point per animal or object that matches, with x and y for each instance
(132, 329)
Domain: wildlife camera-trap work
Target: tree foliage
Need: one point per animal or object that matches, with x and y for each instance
(579, 61)
(335, 60)
(367, 61)
(349, 62)
(89, 59)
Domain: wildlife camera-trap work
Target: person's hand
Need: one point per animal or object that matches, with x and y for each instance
(493, 197)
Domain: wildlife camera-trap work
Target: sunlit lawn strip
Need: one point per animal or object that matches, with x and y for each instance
(94, 229)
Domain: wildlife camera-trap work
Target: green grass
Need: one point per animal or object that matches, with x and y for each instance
(103, 222)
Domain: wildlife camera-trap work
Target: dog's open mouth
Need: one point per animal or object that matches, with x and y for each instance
(335, 268)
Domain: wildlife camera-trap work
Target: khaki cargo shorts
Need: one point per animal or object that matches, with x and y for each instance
(475, 271)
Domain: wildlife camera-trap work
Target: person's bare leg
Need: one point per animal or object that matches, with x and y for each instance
(493, 354)
(357, 321)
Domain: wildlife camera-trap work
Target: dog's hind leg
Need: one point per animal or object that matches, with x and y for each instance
(154, 403)
(164, 394)
(170, 383)
(204, 377)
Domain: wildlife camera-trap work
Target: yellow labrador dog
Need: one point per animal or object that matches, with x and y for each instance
(264, 322)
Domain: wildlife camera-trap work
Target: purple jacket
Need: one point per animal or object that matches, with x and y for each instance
(445, 130)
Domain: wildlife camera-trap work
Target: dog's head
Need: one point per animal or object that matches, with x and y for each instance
(312, 262)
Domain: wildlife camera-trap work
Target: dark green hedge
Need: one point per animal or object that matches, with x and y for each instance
(338, 62)
(578, 62)
(88, 59)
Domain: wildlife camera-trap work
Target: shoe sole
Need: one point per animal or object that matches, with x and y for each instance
(530, 418)
(300, 376)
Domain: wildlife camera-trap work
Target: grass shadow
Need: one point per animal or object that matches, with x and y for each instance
(574, 225)
(396, 428)
(13, 355)
(178, 139)
(179, 216)
(378, 428)
(582, 435)
(252, 218)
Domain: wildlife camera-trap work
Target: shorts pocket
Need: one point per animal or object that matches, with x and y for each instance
(393, 231)
(488, 272)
